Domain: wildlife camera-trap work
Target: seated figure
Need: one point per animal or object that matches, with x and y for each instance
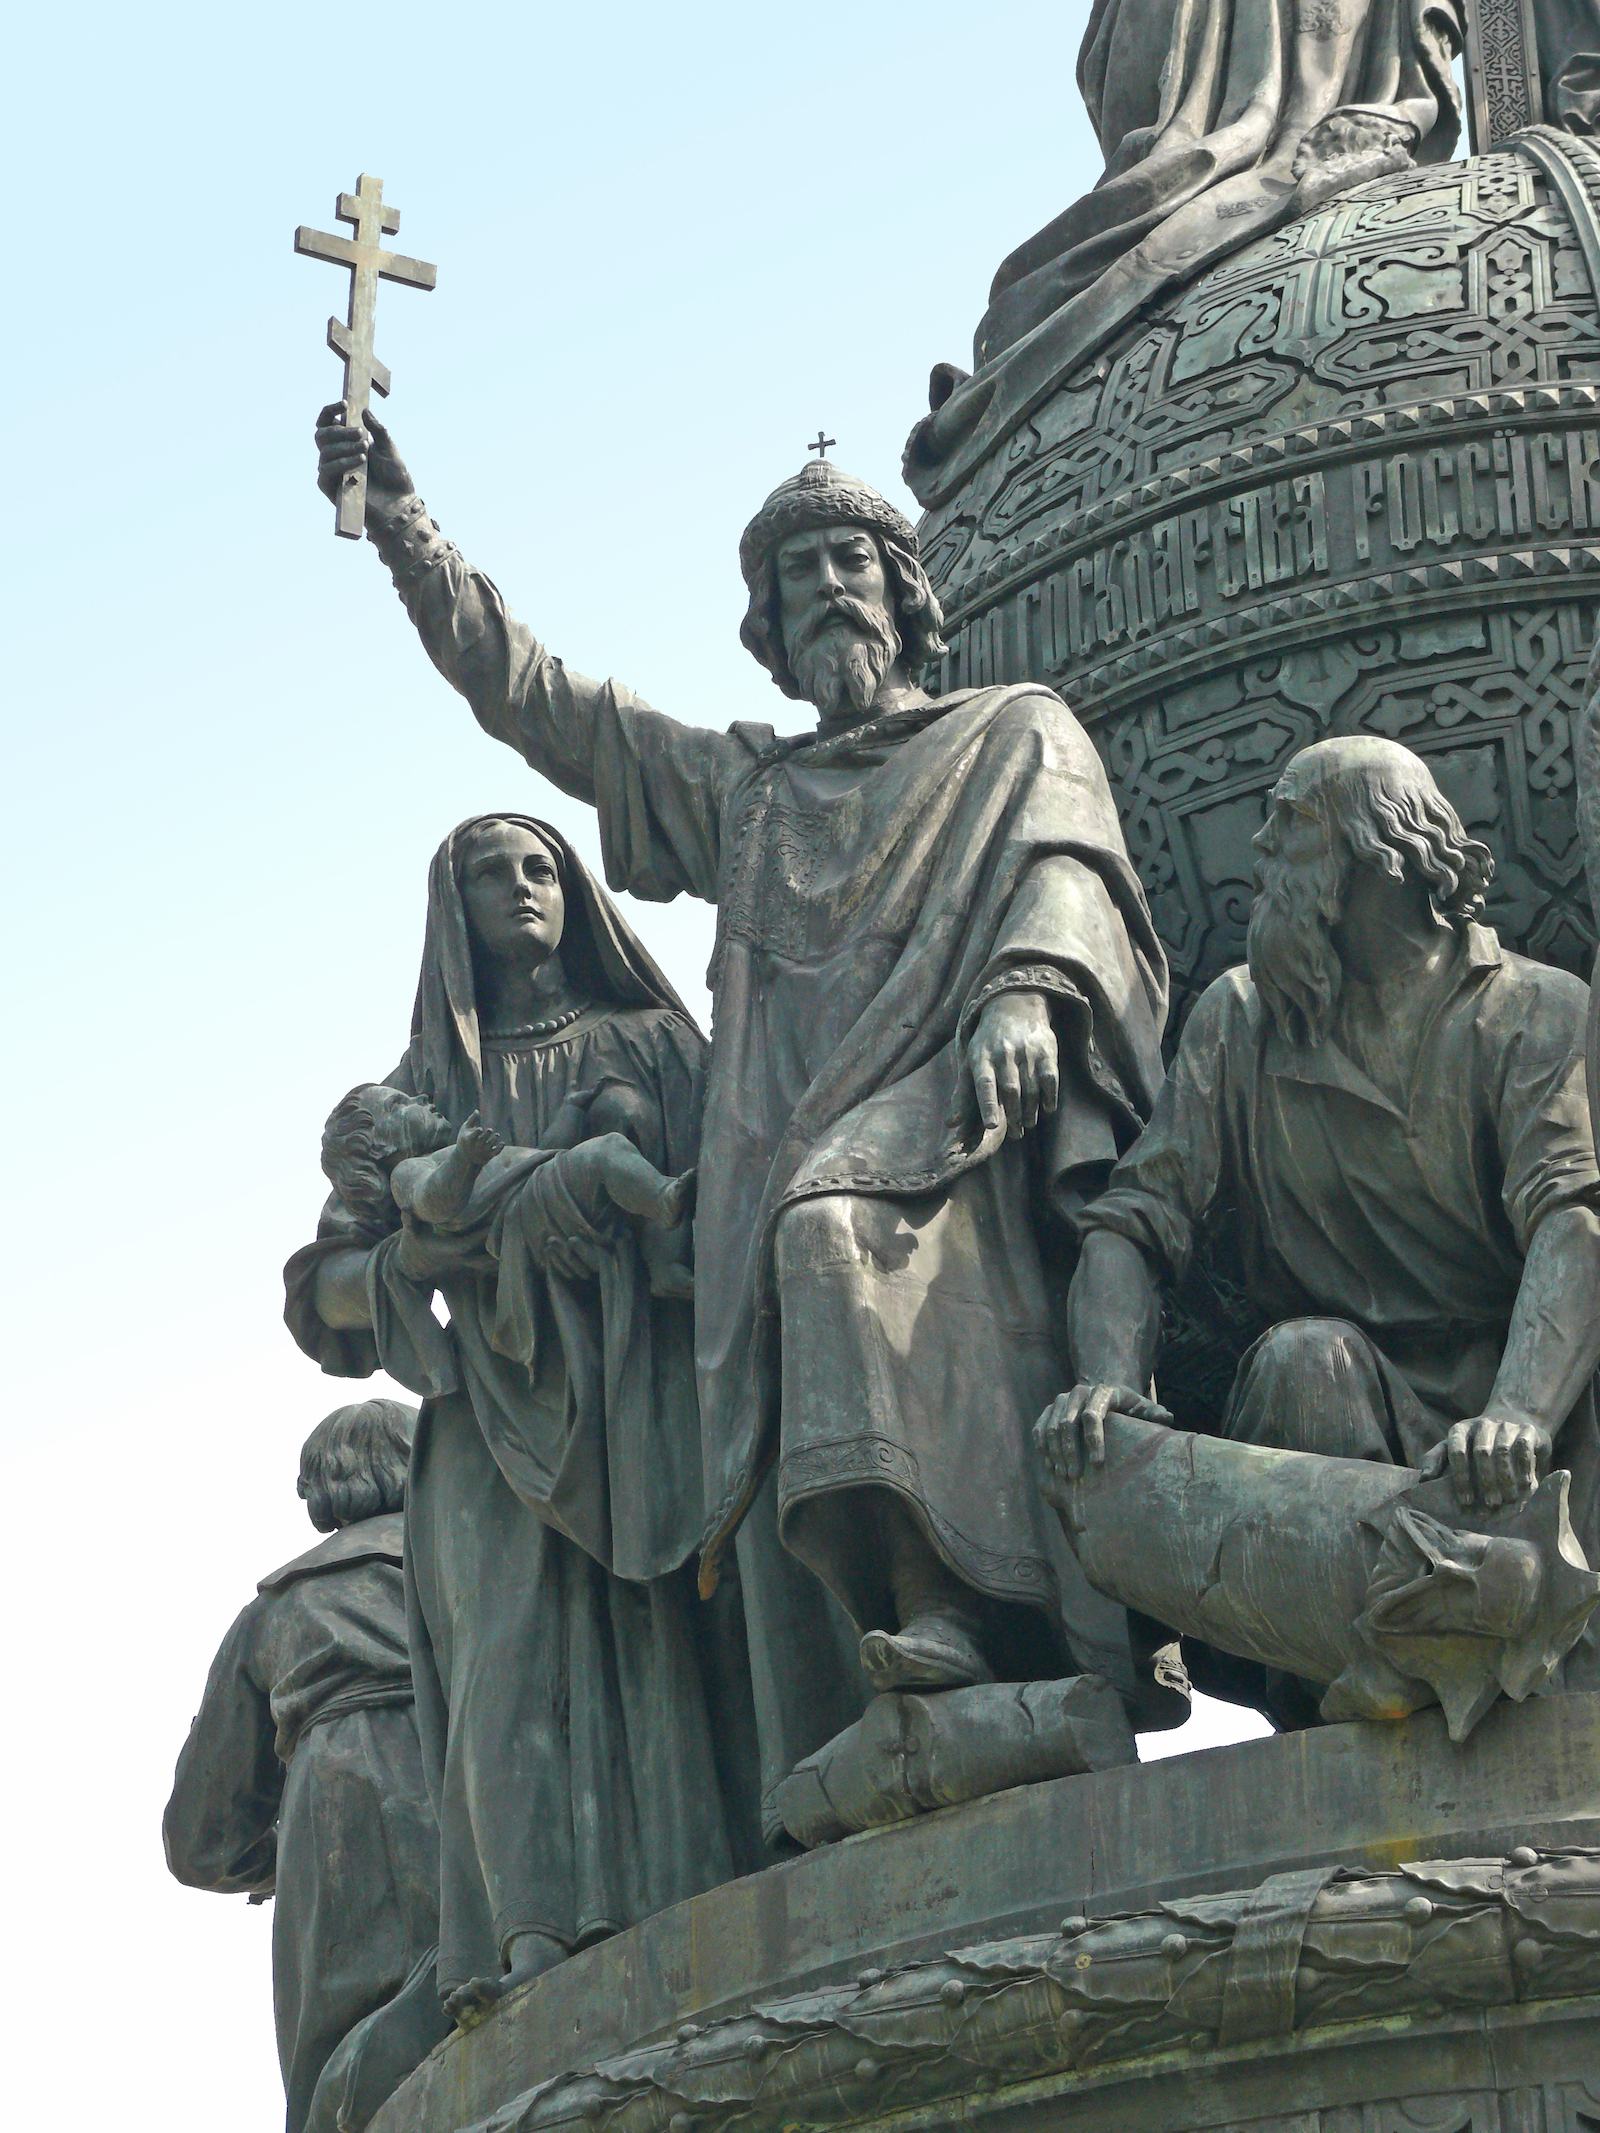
(1219, 125)
(1384, 1117)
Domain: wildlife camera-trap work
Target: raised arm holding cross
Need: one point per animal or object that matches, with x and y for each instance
(368, 263)
(949, 1068)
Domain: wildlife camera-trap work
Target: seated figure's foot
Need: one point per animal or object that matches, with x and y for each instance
(1349, 146)
(936, 1651)
(528, 1957)
(469, 2003)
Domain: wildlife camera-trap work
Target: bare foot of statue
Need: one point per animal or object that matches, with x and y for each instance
(1348, 147)
(528, 1957)
(677, 1199)
(671, 1280)
(936, 1651)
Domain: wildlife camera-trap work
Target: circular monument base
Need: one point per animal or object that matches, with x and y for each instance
(1356, 1928)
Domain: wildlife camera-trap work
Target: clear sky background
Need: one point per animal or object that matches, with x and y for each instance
(670, 244)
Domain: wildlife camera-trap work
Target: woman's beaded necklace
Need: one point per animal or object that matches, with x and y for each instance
(546, 1028)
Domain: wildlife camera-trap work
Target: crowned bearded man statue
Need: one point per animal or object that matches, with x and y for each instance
(938, 1006)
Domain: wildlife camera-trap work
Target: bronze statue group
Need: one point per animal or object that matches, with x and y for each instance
(762, 1363)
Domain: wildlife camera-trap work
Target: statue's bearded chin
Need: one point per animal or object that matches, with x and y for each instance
(1292, 958)
(840, 656)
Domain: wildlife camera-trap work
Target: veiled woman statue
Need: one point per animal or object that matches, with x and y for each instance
(584, 1717)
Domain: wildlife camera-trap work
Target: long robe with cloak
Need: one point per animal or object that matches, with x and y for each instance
(1201, 109)
(584, 1716)
(302, 1775)
(873, 892)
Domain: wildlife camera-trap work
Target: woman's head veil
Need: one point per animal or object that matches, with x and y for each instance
(605, 961)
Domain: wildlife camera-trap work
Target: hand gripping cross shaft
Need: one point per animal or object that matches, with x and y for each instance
(368, 263)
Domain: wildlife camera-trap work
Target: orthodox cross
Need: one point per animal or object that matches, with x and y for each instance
(368, 263)
(820, 446)
(1501, 63)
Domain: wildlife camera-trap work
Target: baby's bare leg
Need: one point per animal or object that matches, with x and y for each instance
(613, 1166)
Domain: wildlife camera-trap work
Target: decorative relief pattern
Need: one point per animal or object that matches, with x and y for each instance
(1502, 71)
(1351, 478)
(779, 849)
(1022, 2021)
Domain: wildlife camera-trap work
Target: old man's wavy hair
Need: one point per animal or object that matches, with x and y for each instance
(1384, 803)
(353, 1464)
(822, 494)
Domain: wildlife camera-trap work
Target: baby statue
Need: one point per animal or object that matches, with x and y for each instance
(393, 1159)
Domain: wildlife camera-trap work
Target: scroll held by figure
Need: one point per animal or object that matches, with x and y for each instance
(1383, 1118)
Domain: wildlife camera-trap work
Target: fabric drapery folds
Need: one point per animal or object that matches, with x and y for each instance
(1219, 124)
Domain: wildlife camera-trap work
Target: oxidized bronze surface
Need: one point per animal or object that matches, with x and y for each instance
(1349, 480)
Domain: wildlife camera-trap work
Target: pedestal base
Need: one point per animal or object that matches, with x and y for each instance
(1078, 1954)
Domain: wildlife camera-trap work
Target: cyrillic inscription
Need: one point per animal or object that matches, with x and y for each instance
(1376, 514)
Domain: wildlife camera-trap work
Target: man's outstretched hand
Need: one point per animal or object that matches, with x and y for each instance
(1491, 1462)
(1071, 1433)
(1012, 1059)
(342, 448)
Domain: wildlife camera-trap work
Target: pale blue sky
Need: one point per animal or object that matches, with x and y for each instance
(670, 244)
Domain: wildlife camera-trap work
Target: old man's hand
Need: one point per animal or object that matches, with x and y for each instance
(1012, 1060)
(1071, 1433)
(1491, 1461)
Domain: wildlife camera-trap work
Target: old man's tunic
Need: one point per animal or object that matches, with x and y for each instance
(874, 891)
(1410, 1225)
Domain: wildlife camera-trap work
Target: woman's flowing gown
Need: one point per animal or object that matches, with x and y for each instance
(586, 1731)
(586, 1721)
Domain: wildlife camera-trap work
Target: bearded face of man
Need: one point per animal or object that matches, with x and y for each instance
(839, 634)
(1300, 879)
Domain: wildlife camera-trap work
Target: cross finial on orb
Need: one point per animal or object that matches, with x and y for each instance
(820, 446)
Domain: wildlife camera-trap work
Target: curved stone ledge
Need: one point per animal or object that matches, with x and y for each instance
(922, 1973)
(1298, 1952)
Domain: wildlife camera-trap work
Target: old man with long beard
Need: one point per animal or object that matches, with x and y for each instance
(938, 1005)
(1384, 1117)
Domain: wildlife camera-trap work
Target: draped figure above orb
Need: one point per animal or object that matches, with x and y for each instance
(1218, 125)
